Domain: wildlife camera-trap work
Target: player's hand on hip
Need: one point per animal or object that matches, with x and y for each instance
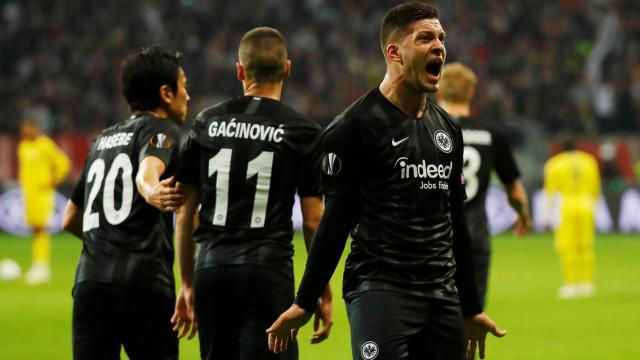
(476, 329)
(184, 319)
(285, 326)
(167, 197)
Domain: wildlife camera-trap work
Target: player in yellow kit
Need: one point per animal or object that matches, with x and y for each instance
(574, 176)
(42, 166)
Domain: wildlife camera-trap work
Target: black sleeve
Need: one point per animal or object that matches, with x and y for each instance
(77, 195)
(308, 163)
(457, 181)
(339, 185)
(326, 249)
(188, 170)
(160, 138)
(465, 280)
(505, 164)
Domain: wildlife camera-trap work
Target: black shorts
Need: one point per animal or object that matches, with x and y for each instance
(235, 304)
(106, 316)
(387, 325)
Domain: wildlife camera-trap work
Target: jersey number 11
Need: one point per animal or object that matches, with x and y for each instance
(260, 166)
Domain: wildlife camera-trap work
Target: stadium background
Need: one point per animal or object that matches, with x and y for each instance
(547, 70)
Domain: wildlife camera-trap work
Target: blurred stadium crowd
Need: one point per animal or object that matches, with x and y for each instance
(567, 65)
(545, 67)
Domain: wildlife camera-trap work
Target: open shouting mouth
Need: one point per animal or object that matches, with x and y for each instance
(433, 69)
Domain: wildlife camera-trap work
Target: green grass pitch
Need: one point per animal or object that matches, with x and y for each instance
(35, 322)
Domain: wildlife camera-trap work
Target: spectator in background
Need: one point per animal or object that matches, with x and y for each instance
(42, 166)
(572, 177)
(61, 56)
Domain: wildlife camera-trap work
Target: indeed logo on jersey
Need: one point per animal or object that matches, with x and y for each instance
(242, 130)
(423, 170)
(111, 141)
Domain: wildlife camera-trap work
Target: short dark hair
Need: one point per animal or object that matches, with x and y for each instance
(398, 17)
(143, 74)
(263, 53)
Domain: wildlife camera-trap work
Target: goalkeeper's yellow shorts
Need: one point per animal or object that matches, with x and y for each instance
(38, 205)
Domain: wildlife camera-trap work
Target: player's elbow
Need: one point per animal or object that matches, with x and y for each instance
(72, 216)
(310, 225)
(312, 209)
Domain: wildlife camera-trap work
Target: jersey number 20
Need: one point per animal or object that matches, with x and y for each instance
(95, 175)
(260, 166)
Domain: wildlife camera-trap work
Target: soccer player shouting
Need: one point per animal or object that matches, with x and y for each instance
(392, 177)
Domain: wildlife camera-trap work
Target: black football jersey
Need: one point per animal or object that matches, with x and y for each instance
(125, 240)
(485, 149)
(406, 174)
(250, 155)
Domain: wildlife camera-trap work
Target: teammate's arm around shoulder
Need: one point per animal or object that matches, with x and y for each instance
(312, 207)
(183, 318)
(160, 194)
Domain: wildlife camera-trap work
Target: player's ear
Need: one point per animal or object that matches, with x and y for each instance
(393, 53)
(240, 72)
(287, 68)
(166, 94)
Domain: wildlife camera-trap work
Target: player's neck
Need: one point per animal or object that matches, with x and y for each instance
(456, 109)
(160, 113)
(405, 98)
(264, 90)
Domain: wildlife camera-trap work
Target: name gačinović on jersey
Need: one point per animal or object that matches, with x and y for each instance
(249, 131)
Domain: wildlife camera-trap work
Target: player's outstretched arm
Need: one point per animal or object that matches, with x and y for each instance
(286, 325)
(477, 328)
(311, 208)
(72, 219)
(160, 194)
(326, 249)
(518, 200)
(183, 318)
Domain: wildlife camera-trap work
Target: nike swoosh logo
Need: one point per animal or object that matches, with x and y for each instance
(396, 143)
